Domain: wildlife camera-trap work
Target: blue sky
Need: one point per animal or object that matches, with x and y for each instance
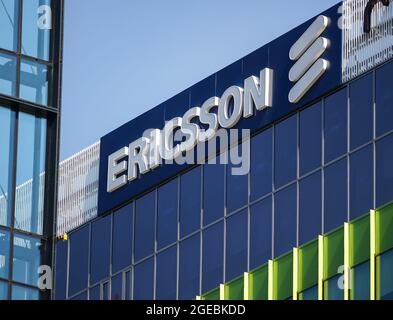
(124, 57)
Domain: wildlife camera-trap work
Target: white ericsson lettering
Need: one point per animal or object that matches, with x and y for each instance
(148, 152)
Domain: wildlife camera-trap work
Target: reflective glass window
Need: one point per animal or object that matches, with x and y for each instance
(310, 139)
(9, 25)
(335, 195)
(237, 180)
(100, 249)
(361, 111)
(361, 282)
(213, 192)
(166, 274)
(361, 182)
(80, 297)
(261, 226)
(4, 254)
(3, 291)
(310, 294)
(30, 177)
(213, 257)
(285, 220)
(190, 201)
(310, 208)
(336, 115)
(27, 259)
(7, 125)
(24, 294)
(384, 99)
(167, 214)
(122, 238)
(94, 293)
(61, 270)
(285, 152)
(105, 291)
(7, 74)
(145, 215)
(36, 28)
(334, 288)
(78, 260)
(384, 169)
(144, 280)
(261, 164)
(189, 260)
(128, 285)
(236, 245)
(117, 287)
(385, 275)
(34, 82)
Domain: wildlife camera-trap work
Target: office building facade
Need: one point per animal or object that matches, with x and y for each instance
(30, 69)
(310, 219)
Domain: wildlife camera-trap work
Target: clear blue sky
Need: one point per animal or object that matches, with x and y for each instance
(123, 57)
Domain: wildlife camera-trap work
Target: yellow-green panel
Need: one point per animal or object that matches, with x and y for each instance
(333, 253)
(234, 290)
(359, 241)
(283, 277)
(258, 283)
(212, 295)
(384, 229)
(308, 266)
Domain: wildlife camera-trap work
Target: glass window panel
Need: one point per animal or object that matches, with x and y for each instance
(23, 294)
(4, 254)
(384, 169)
(122, 238)
(261, 226)
(384, 99)
(117, 287)
(78, 260)
(236, 245)
(144, 280)
(309, 294)
(189, 263)
(361, 182)
(26, 260)
(7, 74)
(80, 297)
(30, 177)
(237, 184)
(310, 139)
(213, 192)
(333, 290)
(61, 270)
(94, 293)
(310, 208)
(145, 215)
(190, 201)
(100, 249)
(261, 164)
(166, 274)
(105, 291)
(36, 28)
(213, 257)
(9, 25)
(336, 115)
(285, 220)
(285, 152)
(335, 195)
(7, 125)
(167, 214)
(3, 291)
(128, 284)
(34, 78)
(361, 110)
(385, 276)
(360, 282)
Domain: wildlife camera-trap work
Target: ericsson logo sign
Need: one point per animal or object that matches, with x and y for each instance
(157, 145)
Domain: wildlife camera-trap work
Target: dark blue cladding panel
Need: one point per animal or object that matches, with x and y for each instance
(274, 55)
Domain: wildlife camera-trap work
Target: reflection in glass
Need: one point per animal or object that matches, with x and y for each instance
(30, 177)
(23, 293)
(166, 274)
(9, 24)
(7, 124)
(36, 28)
(361, 282)
(333, 288)
(3, 291)
(144, 280)
(4, 254)
(384, 99)
(117, 287)
(384, 168)
(385, 275)
(7, 74)
(189, 258)
(34, 82)
(310, 294)
(27, 259)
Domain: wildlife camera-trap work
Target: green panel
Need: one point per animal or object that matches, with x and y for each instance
(258, 283)
(384, 229)
(334, 253)
(360, 241)
(308, 266)
(234, 290)
(212, 295)
(283, 277)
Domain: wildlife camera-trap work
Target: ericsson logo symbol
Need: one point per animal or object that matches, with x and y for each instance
(309, 67)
